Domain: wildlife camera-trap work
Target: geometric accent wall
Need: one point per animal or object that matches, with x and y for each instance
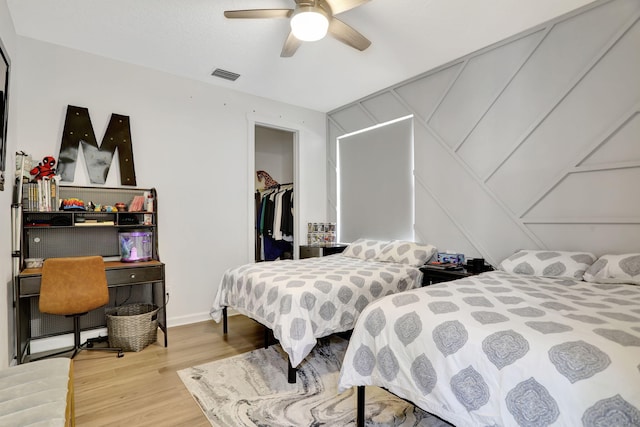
(533, 142)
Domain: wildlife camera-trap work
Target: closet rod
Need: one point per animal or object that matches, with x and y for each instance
(275, 187)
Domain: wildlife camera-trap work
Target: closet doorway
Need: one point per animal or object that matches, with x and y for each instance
(274, 167)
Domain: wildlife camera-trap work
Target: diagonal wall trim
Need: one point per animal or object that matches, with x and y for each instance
(401, 100)
(333, 205)
(621, 123)
(545, 155)
(404, 83)
(580, 157)
(516, 220)
(504, 87)
(458, 159)
(336, 124)
(332, 165)
(563, 94)
(457, 224)
(366, 111)
(446, 92)
(488, 190)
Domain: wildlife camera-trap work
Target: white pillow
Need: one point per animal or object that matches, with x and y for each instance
(365, 249)
(548, 263)
(404, 252)
(623, 268)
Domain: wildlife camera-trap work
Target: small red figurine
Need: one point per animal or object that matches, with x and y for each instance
(45, 168)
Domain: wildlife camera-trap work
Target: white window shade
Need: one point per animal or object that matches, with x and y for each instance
(375, 183)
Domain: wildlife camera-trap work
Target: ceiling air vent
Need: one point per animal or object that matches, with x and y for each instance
(224, 74)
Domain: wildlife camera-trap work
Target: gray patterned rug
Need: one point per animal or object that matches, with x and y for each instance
(251, 389)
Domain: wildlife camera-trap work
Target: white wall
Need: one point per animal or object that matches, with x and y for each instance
(190, 142)
(529, 143)
(8, 36)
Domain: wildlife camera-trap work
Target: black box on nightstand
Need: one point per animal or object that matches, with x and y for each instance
(310, 251)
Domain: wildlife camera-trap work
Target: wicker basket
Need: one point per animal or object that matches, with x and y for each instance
(132, 327)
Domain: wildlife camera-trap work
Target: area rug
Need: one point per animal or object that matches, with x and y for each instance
(251, 389)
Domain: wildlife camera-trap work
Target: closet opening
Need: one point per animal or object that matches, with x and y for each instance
(274, 166)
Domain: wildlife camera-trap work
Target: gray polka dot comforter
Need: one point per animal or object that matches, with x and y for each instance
(505, 350)
(302, 300)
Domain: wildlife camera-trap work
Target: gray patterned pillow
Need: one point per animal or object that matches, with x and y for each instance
(548, 263)
(623, 268)
(365, 249)
(404, 252)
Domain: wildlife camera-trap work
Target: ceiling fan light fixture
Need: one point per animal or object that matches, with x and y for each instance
(309, 23)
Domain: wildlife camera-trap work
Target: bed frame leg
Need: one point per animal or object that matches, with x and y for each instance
(360, 408)
(292, 374)
(266, 337)
(225, 325)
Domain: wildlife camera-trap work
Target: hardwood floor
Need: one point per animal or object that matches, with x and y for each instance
(143, 389)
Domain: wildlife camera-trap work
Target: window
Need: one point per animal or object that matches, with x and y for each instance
(375, 182)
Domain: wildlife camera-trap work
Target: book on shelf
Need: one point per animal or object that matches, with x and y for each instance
(94, 222)
(41, 196)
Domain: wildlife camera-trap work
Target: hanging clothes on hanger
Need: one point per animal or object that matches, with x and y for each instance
(286, 224)
(274, 222)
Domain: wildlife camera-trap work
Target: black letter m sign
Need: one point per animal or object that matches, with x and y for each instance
(78, 130)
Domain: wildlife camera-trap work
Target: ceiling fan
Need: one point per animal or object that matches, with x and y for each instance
(311, 20)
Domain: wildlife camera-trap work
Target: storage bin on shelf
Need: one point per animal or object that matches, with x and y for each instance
(132, 327)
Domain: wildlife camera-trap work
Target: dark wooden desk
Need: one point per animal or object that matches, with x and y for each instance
(139, 282)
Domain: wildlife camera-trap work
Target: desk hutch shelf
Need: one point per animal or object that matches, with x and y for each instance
(67, 233)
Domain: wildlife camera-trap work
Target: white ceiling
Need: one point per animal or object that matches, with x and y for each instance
(191, 38)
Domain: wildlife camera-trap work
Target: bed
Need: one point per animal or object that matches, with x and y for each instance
(303, 300)
(530, 344)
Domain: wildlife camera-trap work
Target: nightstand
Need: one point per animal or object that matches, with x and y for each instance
(309, 251)
(432, 275)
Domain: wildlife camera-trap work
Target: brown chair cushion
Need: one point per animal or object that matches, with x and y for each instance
(73, 285)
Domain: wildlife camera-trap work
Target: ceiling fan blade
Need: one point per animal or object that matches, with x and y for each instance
(347, 35)
(339, 6)
(258, 13)
(290, 46)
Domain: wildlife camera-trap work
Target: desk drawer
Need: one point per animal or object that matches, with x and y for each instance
(123, 276)
(30, 285)
(126, 276)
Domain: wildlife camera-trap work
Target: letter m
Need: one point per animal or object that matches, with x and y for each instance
(79, 131)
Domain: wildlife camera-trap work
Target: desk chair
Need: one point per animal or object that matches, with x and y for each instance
(72, 287)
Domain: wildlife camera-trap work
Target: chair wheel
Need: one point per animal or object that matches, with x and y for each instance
(89, 344)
